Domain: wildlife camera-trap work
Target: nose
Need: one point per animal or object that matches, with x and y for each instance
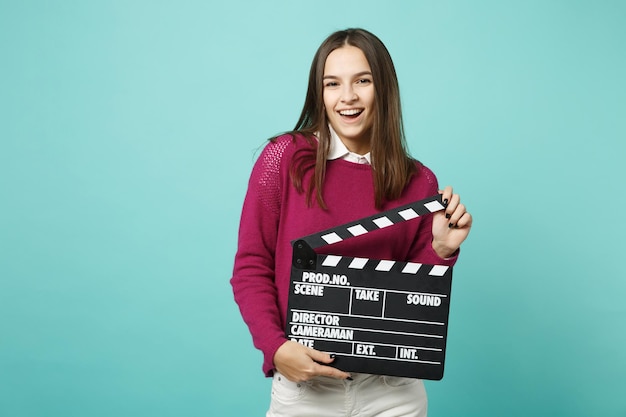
(348, 94)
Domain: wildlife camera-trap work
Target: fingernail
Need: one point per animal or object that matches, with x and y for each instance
(450, 225)
(445, 201)
(350, 378)
(448, 216)
(332, 356)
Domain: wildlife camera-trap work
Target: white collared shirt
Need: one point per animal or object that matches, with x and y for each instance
(339, 151)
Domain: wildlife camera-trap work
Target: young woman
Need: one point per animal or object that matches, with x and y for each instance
(345, 159)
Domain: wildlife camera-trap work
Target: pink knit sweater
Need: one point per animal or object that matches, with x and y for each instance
(274, 214)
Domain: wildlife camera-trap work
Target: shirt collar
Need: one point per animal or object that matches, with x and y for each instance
(339, 151)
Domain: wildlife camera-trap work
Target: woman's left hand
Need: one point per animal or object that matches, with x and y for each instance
(451, 226)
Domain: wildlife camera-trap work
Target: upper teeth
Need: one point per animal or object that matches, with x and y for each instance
(349, 112)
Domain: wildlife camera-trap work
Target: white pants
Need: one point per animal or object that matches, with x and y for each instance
(367, 395)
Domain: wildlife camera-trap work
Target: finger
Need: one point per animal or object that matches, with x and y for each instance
(465, 221)
(323, 370)
(321, 357)
(452, 206)
(456, 215)
(446, 194)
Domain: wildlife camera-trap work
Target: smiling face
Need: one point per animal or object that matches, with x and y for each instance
(349, 97)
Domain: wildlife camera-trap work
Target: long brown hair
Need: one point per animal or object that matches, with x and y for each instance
(391, 163)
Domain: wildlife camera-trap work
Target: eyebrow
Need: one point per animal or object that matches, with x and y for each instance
(358, 74)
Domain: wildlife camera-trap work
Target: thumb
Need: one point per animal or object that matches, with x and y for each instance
(321, 357)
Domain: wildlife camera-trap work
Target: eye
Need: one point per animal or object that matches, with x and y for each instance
(364, 81)
(331, 84)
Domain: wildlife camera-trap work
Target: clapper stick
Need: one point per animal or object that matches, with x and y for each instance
(383, 317)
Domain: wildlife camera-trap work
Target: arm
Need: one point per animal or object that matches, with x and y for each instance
(436, 243)
(253, 278)
(253, 273)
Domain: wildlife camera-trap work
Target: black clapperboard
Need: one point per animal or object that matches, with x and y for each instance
(377, 316)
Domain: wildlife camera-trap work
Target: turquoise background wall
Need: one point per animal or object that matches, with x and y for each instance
(127, 133)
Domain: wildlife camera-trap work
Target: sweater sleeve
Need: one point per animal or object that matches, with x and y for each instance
(422, 249)
(253, 281)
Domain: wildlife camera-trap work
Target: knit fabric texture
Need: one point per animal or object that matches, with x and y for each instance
(275, 214)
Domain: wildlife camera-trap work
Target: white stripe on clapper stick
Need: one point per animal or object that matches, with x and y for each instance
(382, 222)
(434, 206)
(332, 238)
(408, 214)
(438, 270)
(411, 268)
(357, 230)
(331, 260)
(358, 263)
(385, 266)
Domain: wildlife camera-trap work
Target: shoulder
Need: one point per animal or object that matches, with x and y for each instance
(423, 182)
(277, 155)
(270, 174)
(282, 148)
(295, 140)
(425, 173)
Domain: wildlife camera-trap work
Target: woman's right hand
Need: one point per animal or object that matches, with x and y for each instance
(300, 363)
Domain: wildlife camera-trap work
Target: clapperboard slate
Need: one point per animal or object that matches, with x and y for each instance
(378, 316)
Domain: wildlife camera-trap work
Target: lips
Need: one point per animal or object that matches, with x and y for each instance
(350, 113)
